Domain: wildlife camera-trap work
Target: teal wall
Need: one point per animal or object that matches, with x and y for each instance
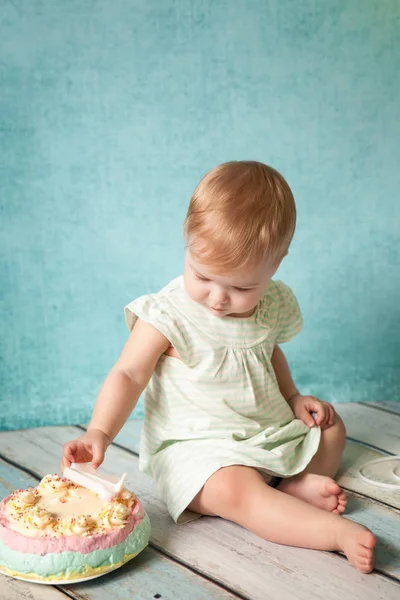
(111, 111)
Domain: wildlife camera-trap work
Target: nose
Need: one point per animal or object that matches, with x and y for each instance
(219, 296)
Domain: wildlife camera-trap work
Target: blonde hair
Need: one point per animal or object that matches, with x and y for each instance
(240, 211)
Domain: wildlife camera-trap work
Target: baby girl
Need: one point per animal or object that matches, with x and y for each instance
(226, 431)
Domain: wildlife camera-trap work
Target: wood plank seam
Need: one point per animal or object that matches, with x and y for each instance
(372, 446)
(154, 546)
(374, 500)
(72, 595)
(376, 569)
(376, 407)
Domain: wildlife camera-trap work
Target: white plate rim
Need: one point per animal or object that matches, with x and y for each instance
(56, 582)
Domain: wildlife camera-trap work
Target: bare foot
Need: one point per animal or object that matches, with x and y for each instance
(318, 490)
(357, 542)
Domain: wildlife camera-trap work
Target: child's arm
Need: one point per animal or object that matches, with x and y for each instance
(128, 378)
(282, 372)
(119, 394)
(303, 407)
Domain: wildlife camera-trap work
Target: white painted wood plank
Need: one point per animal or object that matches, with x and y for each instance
(129, 436)
(13, 589)
(385, 522)
(144, 577)
(220, 549)
(389, 406)
(372, 426)
(354, 456)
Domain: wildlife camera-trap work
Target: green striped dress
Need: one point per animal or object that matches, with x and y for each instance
(220, 404)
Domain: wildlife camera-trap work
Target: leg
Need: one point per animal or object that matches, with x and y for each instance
(326, 461)
(315, 484)
(239, 494)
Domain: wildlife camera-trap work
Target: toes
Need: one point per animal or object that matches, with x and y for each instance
(364, 563)
(368, 540)
(332, 488)
(365, 553)
(365, 566)
(365, 558)
(338, 496)
(338, 510)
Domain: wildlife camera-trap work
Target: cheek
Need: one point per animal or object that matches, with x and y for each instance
(195, 289)
(247, 301)
(197, 292)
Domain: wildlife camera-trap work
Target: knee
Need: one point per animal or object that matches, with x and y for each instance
(227, 490)
(337, 432)
(341, 428)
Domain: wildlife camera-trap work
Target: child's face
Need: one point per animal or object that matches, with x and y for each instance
(234, 294)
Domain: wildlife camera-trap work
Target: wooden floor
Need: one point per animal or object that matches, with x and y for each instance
(212, 559)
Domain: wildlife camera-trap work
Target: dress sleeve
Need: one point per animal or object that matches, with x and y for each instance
(289, 321)
(158, 312)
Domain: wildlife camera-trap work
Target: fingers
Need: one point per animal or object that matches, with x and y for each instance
(98, 455)
(90, 447)
(313, 411)
(329, 416)
(77, 452)
(331, 419)
(64, 463)
(69, 453)
(307, 418)
(316, 407)
(323, 411)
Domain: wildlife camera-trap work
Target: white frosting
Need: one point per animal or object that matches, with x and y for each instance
(36, 518)
(26, 499)
(79, 525)
(54, 483)
(58, 507)
(115, 515)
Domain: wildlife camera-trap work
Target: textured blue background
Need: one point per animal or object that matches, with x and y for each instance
(112, 110)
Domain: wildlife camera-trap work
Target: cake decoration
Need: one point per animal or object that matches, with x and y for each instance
(62, 531)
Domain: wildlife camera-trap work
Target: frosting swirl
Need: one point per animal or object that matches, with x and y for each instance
(25, 499)
(54, 483)
(79, 525)
(126, 497)
(115, 515)
(36, 518)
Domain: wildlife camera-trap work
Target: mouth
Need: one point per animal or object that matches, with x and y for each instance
(218, 310)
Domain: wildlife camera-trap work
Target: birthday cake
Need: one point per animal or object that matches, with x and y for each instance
(61, 531)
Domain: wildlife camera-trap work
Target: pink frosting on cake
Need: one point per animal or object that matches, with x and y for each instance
(76, 543)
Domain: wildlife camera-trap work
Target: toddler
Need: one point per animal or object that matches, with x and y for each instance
(226, 432)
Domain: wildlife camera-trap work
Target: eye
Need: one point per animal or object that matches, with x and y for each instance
(243, 289)
(201, 278)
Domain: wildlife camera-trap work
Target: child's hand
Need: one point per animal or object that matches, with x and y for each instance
(304, 406)
(89, 447)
